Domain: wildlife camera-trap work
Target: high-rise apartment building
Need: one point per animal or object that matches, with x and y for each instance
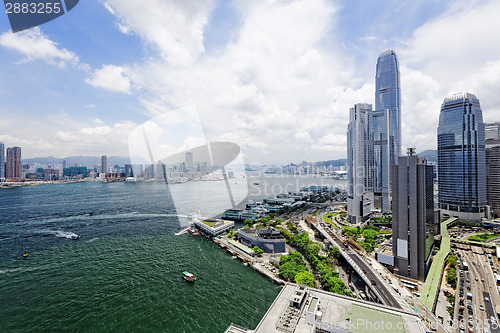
(189, 161)
(461, 158)
(13, 164)
(412, 215)
(104, 164)
(492, 145)
(2, 161)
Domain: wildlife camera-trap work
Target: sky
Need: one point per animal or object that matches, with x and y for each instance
(275, 77)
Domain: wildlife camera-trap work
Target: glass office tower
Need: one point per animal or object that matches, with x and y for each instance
(493, 167)
(388, 97)
(461, 158)
(358, 204)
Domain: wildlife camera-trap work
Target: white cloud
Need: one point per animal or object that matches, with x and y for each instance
(456, 52)
(175, 27)
(278, 77)
(34, 45)
(283, 84)
(110, 77)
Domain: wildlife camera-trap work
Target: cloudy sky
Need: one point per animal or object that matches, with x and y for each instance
(275, 77)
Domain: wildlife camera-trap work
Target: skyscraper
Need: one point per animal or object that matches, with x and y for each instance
(13, 163)
(388, 97)
(189, 161)
(129, 172)
(2, 160)
(368, 161)
(358, 205)
(104, 164)
(461, 158)
(378, 146)
(492, 145)
(378, 164)
(412, 215)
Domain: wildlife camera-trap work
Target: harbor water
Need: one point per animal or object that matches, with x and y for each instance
(124, 271)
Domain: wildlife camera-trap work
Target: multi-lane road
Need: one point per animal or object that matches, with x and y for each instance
(386, 297)
(476, 293)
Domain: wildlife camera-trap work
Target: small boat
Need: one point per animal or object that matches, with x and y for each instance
(188, 277)
(25, 255)
(193, 231)
(75, 237)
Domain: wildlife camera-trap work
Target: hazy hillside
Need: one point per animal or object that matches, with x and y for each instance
(78, 160)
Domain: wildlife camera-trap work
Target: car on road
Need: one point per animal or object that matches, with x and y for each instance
(481, 307)
(486, 299)
(476, 278)
(482, 280)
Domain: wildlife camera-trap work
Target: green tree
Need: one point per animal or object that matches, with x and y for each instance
(230, 234)
(258, 251)
(334, 252)
(306, 279)
(248, 222)
(452, 261)
(451, 277)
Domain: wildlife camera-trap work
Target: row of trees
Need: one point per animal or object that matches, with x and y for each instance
(451, 271)
(310, 250)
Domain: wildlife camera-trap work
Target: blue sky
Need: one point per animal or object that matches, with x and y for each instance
(275, 77)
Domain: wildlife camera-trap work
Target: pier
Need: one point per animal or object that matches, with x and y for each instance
(253, 262)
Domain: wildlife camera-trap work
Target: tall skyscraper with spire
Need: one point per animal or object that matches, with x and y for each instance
(374, 142)
(388, 97)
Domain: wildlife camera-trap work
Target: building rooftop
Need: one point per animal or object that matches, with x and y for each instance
(333, 313)
(459, 96)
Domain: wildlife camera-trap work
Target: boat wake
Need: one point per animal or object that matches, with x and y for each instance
(62, 234)
(183, 231)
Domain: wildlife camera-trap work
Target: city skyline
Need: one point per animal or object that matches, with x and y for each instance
(281, 103)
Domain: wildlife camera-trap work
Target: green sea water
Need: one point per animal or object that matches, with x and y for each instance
(124, 273)
(132, 284)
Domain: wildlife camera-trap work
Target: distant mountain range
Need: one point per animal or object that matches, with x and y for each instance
(119, 160)
(335, 163)
(78, 160)
(432, 155)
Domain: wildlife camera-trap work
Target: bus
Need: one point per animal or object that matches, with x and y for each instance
(465, 267)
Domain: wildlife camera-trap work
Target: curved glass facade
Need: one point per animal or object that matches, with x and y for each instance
(388, 97)
(461, 155)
